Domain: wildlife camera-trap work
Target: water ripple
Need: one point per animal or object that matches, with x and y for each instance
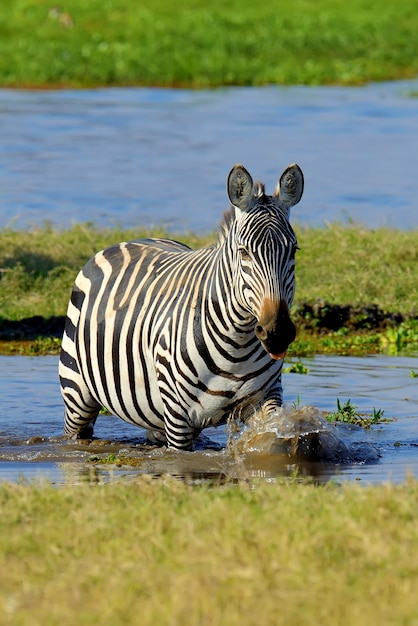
(141, 156)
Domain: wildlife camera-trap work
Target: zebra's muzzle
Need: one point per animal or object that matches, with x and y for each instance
(275, 330)
(278, 357)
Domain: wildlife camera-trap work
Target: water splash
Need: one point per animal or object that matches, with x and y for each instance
(300, 432)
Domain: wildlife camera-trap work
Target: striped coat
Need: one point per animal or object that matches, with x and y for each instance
(175, 340)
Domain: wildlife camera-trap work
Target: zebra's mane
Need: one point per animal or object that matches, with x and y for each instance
(228, 219)
(229, 216)
(259, 189)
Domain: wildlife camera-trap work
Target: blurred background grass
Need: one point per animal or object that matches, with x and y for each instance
(195, 44)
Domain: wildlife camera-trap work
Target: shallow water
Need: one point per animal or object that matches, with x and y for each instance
(149, 156)
(31, 445)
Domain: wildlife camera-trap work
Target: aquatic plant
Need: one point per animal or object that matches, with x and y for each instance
(348, 414)
(401, 337)
(296, 368)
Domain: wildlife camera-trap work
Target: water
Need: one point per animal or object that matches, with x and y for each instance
(32, 447)
(149, 156)
(139, 157)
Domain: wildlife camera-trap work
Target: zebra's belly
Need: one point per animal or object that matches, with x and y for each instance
(140, 414)
(131, 392)
(138, 399)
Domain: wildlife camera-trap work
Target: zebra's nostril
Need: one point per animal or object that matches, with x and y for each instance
(260, 332)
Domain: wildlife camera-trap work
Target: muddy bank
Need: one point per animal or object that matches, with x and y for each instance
(324, 316)
(31, 328)
(311, 317)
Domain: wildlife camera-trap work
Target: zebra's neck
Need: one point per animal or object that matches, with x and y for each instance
(220, 297)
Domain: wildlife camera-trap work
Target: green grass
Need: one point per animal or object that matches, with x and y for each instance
(348, 414)
(337, 264)
(160, 552)
(192, 43)
(357, 265)
(399, 339)
(38, 267)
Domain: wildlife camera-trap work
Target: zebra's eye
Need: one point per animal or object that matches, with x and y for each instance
(245, 255)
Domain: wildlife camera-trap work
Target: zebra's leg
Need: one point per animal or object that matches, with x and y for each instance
(80, 413)
(272, 401)
(179, 434)
(81, 409)
(79, 425)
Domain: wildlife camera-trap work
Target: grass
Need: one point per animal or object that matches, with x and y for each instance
(338, 265)
(160, 552)
(348, 414)
(38, 267)
(190, 43)
(400, 340)
(357, 265)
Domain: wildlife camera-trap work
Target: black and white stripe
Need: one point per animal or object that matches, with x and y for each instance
(174, 339)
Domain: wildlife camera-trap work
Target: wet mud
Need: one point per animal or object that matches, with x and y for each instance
(313, 317)
(31, 328)
(324, 316)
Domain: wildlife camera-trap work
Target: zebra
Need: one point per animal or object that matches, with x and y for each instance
(176, 340)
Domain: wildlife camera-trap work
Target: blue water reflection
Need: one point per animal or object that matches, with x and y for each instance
(149, 156)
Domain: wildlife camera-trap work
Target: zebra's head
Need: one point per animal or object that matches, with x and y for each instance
(264, 246)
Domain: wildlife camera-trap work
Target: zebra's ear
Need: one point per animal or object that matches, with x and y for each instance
(240, 188)
(289, 189)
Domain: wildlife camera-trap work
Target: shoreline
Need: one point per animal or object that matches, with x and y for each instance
(322, 328)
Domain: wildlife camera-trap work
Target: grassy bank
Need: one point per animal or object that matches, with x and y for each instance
(190, 43)
(336, 266)
(159, 552)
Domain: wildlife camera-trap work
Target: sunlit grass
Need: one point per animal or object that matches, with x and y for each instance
(357, 265)
(38, 268)
(190, 43)
(160, 552)
(339, 264)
